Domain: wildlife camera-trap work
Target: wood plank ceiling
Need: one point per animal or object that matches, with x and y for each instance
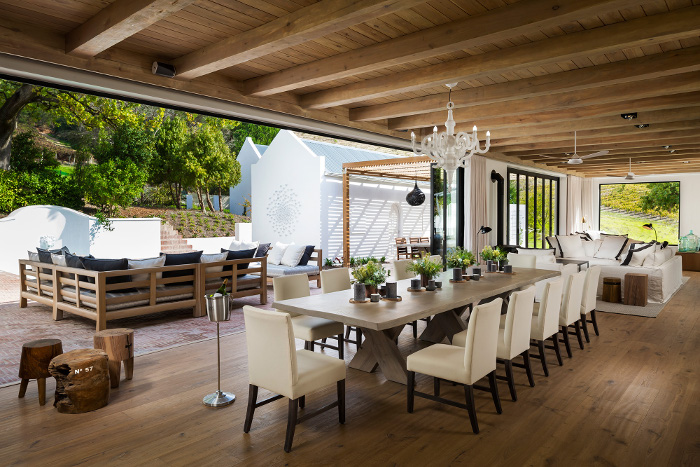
(530, 71)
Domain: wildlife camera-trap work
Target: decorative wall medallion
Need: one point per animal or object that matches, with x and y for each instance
(283, 209)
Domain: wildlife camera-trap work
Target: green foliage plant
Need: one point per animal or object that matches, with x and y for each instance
(488, 253)
(459, 258)
(371, 273)
(425, 267)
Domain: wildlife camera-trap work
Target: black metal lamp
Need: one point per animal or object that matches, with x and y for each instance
(415, 197)
(483, 230)
(649, 226)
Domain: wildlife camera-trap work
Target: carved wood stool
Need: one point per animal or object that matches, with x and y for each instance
(34, 364)
(82, 380)
(119, 345)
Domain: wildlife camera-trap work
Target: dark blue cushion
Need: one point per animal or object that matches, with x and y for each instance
(177, 259)
(94, 264)
(238, 254)
(306, 256)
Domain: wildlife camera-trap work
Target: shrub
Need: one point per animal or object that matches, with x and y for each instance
(27, 157)
(19, 189)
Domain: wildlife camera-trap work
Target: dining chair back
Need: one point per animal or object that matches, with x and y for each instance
(272, 356)
(400, 266)
(334, 280)
(548, 315)
(571, 303)
(414, 239)
(400, 240)
(590, 289)
(522, 261)
(516, 331)
(288, 287)
(401, 248)
(482, 340)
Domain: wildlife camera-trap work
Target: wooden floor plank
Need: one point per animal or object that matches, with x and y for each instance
(629, 398)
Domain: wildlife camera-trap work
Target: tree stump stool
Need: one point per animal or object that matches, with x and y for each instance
(612, 289)
(636, 289)
(119, 345)
(82, 380)
(34, 364)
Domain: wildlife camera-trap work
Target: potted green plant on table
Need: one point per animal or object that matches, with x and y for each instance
(502, 257)
(488, 254)
(371, 274)
(425, 268)
(460, 258)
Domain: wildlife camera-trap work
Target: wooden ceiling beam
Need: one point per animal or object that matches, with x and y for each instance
(308, 23)
(492, 26)
(644, 31)
(625, 71)
(118, 21)
(558, 104)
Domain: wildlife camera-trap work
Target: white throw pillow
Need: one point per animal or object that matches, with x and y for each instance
(33, 256)
(214, 258)
(238, 246)
(611, 247)
(145, 264)
(554, 244)
(543, 255)
(58, 260)
(571, 246)
(292, 255)
(277, 253)
(591, 247)
(638, 253)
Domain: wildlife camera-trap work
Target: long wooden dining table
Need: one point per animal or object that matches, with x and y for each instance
(382, 322)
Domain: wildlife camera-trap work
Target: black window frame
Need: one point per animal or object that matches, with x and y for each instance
(680, 199)
(553, 195)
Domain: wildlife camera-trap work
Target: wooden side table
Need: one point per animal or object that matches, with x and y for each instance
(82, 380)
(34, 364)
(119, 346)
(636, 289)
(612, 289)
(691, 260)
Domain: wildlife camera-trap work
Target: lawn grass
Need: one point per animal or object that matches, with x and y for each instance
(619, 223)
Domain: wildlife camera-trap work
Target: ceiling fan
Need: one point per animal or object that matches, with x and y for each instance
(630, 175)
(576, 159)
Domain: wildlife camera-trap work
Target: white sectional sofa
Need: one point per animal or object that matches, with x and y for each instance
(665, 271)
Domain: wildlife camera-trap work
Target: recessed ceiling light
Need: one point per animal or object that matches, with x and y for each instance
(568, 154)
(643, 125)
(641, 162)
(686, 162)
(666, 146)
(629, 115)
(672, 151)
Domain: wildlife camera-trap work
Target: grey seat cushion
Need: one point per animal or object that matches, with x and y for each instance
(241, 282)
(129, 304)
(274, 270)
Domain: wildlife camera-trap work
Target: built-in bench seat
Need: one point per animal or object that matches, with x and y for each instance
(311, 269)
(101, 301)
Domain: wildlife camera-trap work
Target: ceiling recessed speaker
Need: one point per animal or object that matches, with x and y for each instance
(163, 69)
(629, 116)
(643, 125)
(415, 197)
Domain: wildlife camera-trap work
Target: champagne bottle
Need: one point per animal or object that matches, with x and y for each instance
(222, 289)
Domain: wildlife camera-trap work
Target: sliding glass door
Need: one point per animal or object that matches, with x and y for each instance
(533, 209)
(448, 211)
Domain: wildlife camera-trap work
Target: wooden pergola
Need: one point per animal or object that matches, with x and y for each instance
(405, 168)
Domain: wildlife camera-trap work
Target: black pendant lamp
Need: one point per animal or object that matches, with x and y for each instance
(415, 197)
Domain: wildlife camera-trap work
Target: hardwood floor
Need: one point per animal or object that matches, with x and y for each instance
(630, 398)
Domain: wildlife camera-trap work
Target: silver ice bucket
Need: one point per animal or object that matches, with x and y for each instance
(218, 307)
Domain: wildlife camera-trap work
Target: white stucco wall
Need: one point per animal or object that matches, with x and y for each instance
(54, 227)
(378, 213)
(247, 156)
(286, 193)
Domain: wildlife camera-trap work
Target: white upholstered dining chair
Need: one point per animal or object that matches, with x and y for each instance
(274, 364)
(590, 292)
(545, 322)
(335, 280)
(513, 336)
(570, 314)
(463, 365)
(308, 328)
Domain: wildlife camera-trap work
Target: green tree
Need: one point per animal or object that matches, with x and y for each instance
(236, 134)
(27, 157)
(112, 184)
(170, 159)
(662, 197)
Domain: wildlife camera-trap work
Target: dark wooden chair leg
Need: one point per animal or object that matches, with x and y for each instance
(341, 401)
(511, 380)
(579, 336)
(409, 390)
(469, 396)
(595, 323)
(323, 341)
(347, 331)
(415, 329)
(311, 346)
(540, 346)
(302, 402)
(494, 391)
(528, 368)
(555, 340)
(436, 386)
(306, 345)
(358, 337)
(291, 424)
(567, 344)
(341, 347)
(23, 387)
(252, 399)
(584, 322)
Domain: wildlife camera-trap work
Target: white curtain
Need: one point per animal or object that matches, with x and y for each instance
(478, 214)
(574, 198)
(586, 204)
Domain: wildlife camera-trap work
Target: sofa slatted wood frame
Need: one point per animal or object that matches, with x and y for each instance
(62, 288)
(316, 257)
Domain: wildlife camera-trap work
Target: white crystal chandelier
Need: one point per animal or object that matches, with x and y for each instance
(448, 150)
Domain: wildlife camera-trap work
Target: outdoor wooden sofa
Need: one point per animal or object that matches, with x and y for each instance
(311, 269)
(86, 293)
